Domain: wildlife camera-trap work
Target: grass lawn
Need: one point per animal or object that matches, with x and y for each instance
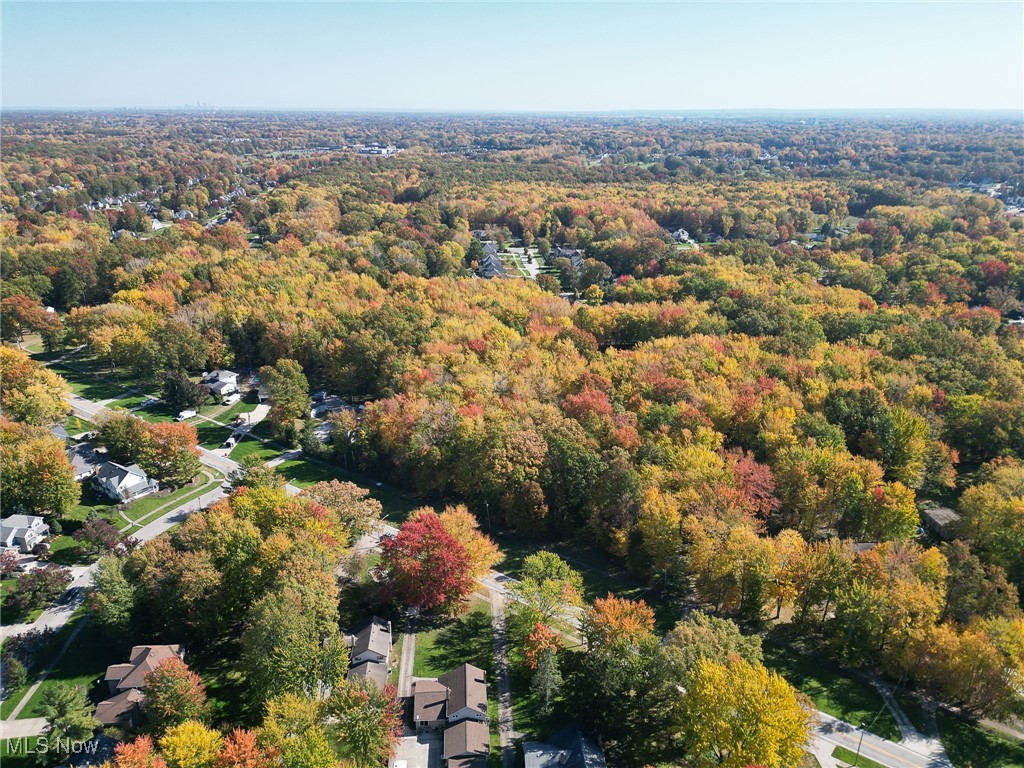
(227, 415)
(913, 709)
(970, 745)
(249, 447)
(19, 753)
(210, 435)
(9, 615)
(76, 426)
(218, 665)
(64, 550)
(157, 413)
(88, 386)
(129, 402)
(847, 756)
(601, 574)
(85, 662)
(849, 699)
(91, 501)
(466, 639)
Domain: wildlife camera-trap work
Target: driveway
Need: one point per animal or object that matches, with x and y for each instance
(419, 751)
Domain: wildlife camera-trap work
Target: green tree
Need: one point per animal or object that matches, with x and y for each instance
(547, 679)
(68, 713)
(181, 393)
(289, 392)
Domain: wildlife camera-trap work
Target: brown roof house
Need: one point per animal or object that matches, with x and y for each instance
(454, 697)
(124, 681)
(467, 743)
(429, 704)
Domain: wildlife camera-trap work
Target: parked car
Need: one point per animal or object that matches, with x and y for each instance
(231, 399)
(185, 415)
(231, 442)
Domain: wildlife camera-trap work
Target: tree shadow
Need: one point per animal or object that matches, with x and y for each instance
(465, 641)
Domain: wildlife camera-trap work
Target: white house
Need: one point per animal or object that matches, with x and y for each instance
(22, 532)
(124, 483)
(221, 383)
(84, 461)
(372, 642)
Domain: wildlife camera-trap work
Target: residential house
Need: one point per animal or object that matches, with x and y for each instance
(467, 694)
(142, 660)
(124, 708)
(59, 432)
(466, 744)
(221, 383)
(574, 255)
(122, 483)
(369, 672)
(429, 704)
(121, 711)
(490, 248)
(455, 697)
(84, 461)
(490, 267)
(22, 532)
(370, 652)
(942, 521)
(568, 748)
(372, 642)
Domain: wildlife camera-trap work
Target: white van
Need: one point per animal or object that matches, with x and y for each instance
(185, 415)
(231, 399)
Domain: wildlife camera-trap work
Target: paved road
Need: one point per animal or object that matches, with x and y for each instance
(888, 753)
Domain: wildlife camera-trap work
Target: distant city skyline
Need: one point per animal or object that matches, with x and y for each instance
(515, 57)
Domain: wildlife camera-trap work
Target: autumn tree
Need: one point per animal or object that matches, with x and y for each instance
(737, 714)
(140, 753)
(365, 722)
(612, 620)
(292, 643)
(700, 636)
(31, 393)
(288, 389)
(242, 749)
(548, 586)
(463, 526)
(181, 393)
(427, 568)
(126, 438)
(190, 745)
(174, 694)
(171, 455)
(354, 507)
(35, 474)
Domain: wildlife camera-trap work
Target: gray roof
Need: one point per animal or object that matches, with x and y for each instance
(568, 748)
(374, 636)
(83, 458)
(940, 515)
(21, 521)
(373, 671)
(119, 472)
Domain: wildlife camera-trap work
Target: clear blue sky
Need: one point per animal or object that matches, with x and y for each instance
(515, 56)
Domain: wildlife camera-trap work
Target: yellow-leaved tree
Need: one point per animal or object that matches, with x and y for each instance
(739, 714)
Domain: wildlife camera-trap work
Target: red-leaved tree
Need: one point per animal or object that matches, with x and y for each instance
(174, 694)
(427, 568)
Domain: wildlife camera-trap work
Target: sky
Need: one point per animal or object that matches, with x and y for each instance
(516, 56)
